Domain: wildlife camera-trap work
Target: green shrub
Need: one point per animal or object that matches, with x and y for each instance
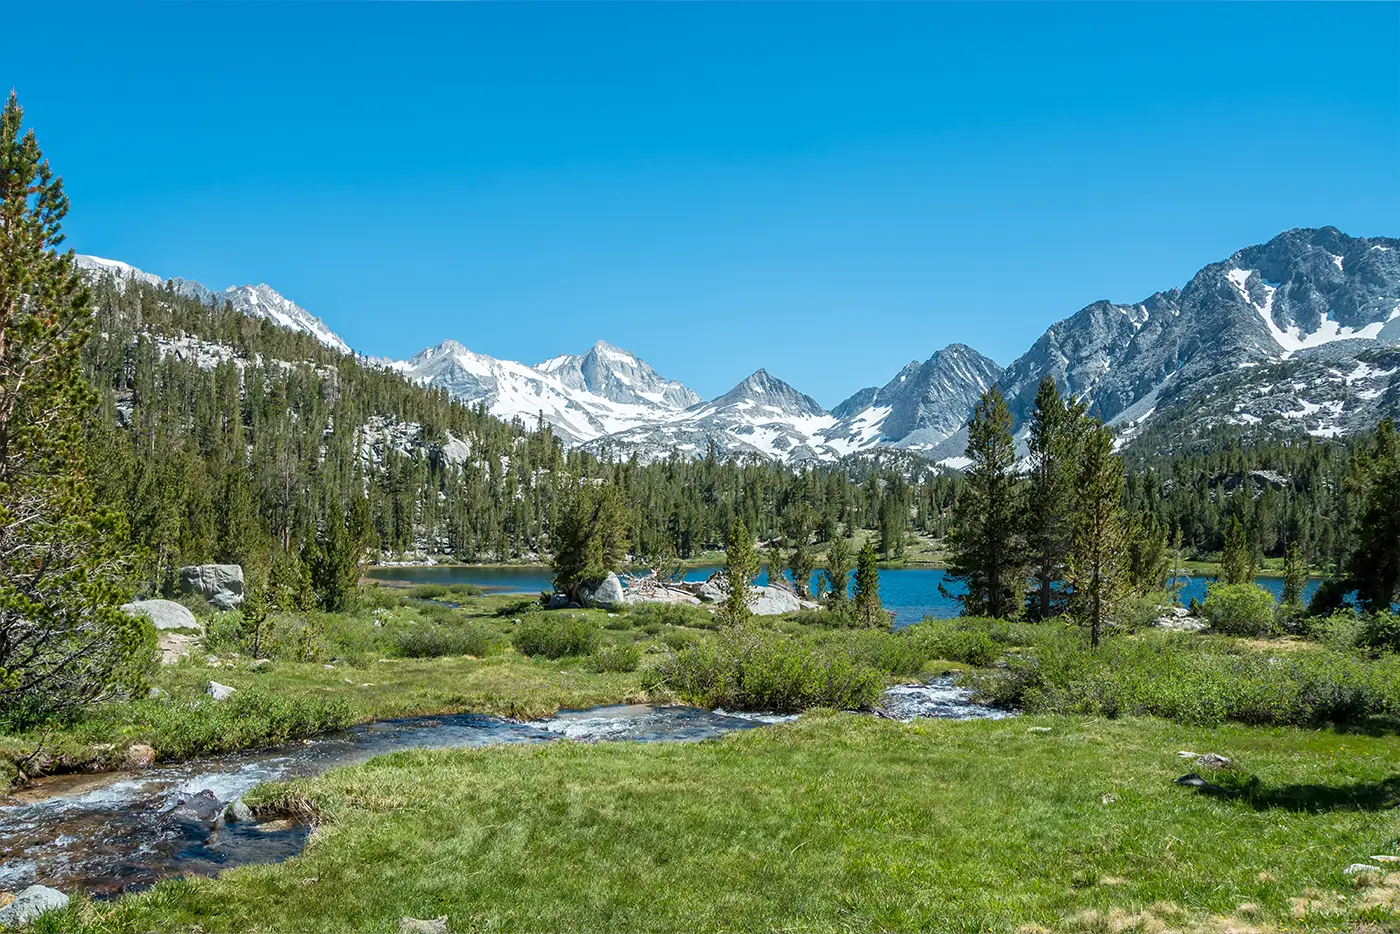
(750, 668)
(555, 636)
(677, 639)
(842, 617)
(442, 641)
(1380, 632)
(893, 653)
(616, 657)
(661, 615)
(1195, 680)
(970, 640)
(1240, 609)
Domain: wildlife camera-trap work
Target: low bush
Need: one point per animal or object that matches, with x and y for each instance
(843, 617)
(671, 614)
(443, 641)
(554, 635)
(893, 653)
(1195, 680)
(749, 668)
(446, 592)
(1240, 610)
(677, 639)
(616, 657)
(974, 641)
(1380, 632)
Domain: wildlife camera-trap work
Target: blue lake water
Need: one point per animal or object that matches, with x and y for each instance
(909, 593)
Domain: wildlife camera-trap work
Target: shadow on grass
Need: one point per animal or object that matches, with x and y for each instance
(1379, 795)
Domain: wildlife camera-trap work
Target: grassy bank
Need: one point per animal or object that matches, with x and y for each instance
(836, 822)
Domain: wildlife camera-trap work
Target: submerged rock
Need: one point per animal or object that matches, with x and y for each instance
(31, 903)
(220, 584)
(203, 809)
(164, 614)
(237, 811)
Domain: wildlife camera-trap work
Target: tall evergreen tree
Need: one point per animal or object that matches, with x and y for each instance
(801, 565)
(1373, 565)
(63, 642)
(1237, 558)
(1295, 575)
(838, 572)
(869, 611)
(740, 569)
(1098, 561)
(591, 540)
(987, 549)
(1054, 438)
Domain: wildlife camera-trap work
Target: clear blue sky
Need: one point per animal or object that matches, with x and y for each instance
(828, 191)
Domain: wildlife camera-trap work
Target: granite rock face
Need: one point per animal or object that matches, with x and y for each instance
(220, 584)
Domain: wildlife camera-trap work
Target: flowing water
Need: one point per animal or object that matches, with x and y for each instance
(909, 593)
(114, 832)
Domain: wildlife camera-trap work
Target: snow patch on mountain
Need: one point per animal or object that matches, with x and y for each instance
(258, 301)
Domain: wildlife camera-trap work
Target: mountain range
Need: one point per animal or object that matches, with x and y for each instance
(1297, 335)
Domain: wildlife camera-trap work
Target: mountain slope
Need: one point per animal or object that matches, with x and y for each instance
(258, 301)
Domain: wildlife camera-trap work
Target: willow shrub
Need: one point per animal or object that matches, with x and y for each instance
(555, 636)
(750, 668)
(1196, 680)
(1240, 609)
(443, 641)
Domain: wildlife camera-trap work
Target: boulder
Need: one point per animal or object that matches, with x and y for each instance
(30, 904)
(774, 601)
(1214, 761)
(714, 590)
(164, 614)
(607, 593)
(237, 811)
(558, 601)
(219, 691)
(220, 584)
(202, 809)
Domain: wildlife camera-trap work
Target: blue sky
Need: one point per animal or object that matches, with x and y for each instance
(828, 191)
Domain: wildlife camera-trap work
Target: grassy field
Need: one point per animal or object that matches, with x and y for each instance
(834, 823)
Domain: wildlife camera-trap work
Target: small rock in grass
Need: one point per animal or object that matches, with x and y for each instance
(1356, 868)
(436, 925)
(31, 903)
(1188, 754)
(1385, 859)
(1212, 761)
(329, 667)
(237, 811)
(1109, 799)
(219, 691)
(1038, 729)
(261, 662)
(139, 756)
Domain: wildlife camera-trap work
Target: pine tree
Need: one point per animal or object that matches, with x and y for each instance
(1237, 558)
(1373, 564)
(776, 577)
(987, 549)
(801, 565)
(1295, 575)
(1097, 569)
(740, 569)
(1147, 553)
(869, 611)
(591, 540)
(838, 572)
(1054, 437)
(63, 642)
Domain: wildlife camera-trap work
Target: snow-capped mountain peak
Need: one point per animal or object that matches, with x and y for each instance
(258, 301)
(619, 376)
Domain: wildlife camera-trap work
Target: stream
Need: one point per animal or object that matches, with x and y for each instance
(113, 832)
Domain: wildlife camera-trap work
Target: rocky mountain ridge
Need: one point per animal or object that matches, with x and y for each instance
(1297, 335)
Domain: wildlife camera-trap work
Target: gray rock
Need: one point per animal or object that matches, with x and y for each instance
(1213, 761)
(607, 593)
(220, 584)
(219, 691)
(31, 903)
(774, 601)
(174, 646)
(1195, 781)
(237, 811)
(436, 925)
(714, 589)
(558, 601)
(200, 810)
(1356, 868)
(164, 614)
